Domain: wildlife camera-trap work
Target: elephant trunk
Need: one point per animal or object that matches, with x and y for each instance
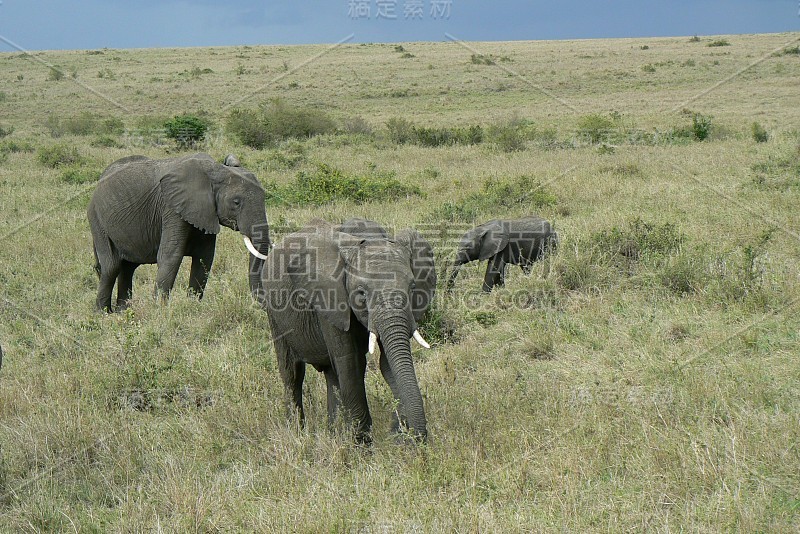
(259, 246)
(394, 335)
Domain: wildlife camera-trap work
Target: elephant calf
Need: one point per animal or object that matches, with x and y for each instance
(334, 296)
(503, 241)
(158, 211)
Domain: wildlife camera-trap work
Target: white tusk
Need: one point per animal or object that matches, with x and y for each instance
(419, 339)
(252, 249)
(373, 342)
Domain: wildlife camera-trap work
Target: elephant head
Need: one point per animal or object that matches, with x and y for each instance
(376, 290)
(206, 195)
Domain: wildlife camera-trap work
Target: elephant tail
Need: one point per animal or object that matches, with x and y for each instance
(96, 261)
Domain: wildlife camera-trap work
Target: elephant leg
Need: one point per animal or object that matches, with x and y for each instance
(292, 372)
(350, 370)
(171, 250)
(334, 396)
(388, 375)
(202, 259)
(495, 273)
(108, 275)
(125, 284)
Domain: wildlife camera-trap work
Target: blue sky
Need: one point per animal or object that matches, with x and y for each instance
(76, 24)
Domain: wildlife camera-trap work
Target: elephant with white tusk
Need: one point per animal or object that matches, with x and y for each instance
(502, 242)
(332, 297)
(158, 211)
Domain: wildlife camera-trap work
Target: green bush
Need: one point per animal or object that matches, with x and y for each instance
(275, 121)
(402, 131)
(5, 132)
(760, 135)
(595, 127)
(719, 42)
(80, 175)
(11, 145)
(701, 126)
(791, 51)
(55, 74)
(640, 238)
(326, 184)
(509, 136)
(480, 59)
(187, 129)
(84, 124)
(59, 156)
(684, 273)
(502, 195)
(106, 141)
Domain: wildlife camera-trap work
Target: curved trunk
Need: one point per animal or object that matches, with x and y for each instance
(394, 336)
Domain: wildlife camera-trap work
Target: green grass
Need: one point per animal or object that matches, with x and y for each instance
(606, 392)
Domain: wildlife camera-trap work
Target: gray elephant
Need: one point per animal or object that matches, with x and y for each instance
(505, 241)
(332, 297)
(158, 211)
(363, 228)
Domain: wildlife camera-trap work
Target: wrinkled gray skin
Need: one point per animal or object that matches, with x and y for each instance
(502, 242)
(158, 211)
(363, 228)
(325, 291)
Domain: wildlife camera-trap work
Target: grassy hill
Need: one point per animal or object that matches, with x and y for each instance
(647, 377)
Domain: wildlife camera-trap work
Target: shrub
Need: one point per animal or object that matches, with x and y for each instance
(59, 155)
(10, 145)
(639, 238)
(440, 325)
(326, 184)
(187, 130)
(509, 136)
(480, 59)
(719, 42)
(402, 131)
(791, 51)
(701, 126)
(694, 39)
(496, 194)
(275, 121)
(595, 127)
(649, 68)
(760, 135)
(684, 273)
(84, 124)
(55, 74)
(5, 132)
(357, 126)
(80, 175)
(106, 141)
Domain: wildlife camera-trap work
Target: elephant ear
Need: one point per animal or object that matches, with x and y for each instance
(187, 187)
(421, 258)
(493, 238)
(317, 270)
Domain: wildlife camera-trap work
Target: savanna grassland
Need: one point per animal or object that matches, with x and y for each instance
(644, 378)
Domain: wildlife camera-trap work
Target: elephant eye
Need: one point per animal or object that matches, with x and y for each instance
(237, 201)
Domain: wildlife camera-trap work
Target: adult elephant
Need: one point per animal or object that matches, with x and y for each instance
(364, 228)
(158, 211)
(504, 241)
(332, 297)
